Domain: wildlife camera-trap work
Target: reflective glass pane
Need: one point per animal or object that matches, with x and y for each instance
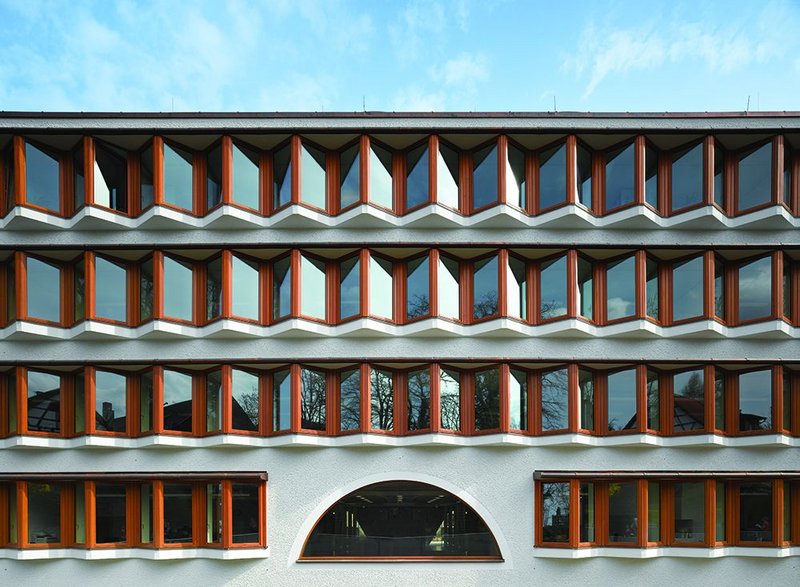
(381, 296)
(755, 400)
(755, 290)
(44, 290)
(177, 401)
(719, 400)
(518, 400)
(245, 177)
(553, 177)
(381, 400)
(517, 288)
(719, 177)
(146, 517)
(244, 513)
(687, 289)
(146, 401)
(214, 288)
(653, 401)
(418, 288)
(281, 400)
(755, 512)
(719, 288)
(312, 168)
(586, 510)
(146, 290)
(484, 177)
(555, 400)
(449, 290)
(11, 403)
(177, 513)
(450, 399)
(313, 393)
(350, 174)
(586, 389)
(619, 178)
(419, 399)
(110, 402)
(516, 185)
(622, 400)
(177, 177)
(755, 178)
(623, 520)
(350, 399)
(281, 288)
(41, 178)
(282, 177)
(380, 177)
(689, 400)
(44, 513)
(110, 177)
(44, 402)
(653, 511)
(214, 513)
(787, 401)
(651, 286)
(111, 290)
(214, 401)
(245, 288)
(584, 176)
(553, 288)
(687, 177)
(651, 176)
(447, 177)
(312, 288)
(245, 403)
(349, 288)
(417, 176)
(585, 289)
(690, 512)
(146, 180)
(79, 420)
(487, 399)
(177, 289)
(110, 513)
(484, 284)
(79, 289)
(621, 289)
(214, 177)
(720, 507)
(555, 512)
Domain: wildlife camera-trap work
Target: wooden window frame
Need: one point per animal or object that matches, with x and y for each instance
(570, 287)
(533, 173)
(666, 162)
(467, 175)
(131, 289)
(65, 176)
(572, 397)
(600, 161)
(468, 291)
(707, 286)
(401, 284)
(66, 269)
(431, 142)
(66, 403)
(667, 382)
(776, 174)
(331, 174)
(602, 400)
(397, 167)
(335, 207)
(595, 163)
(90, 394)
(776, 288)
(197, 293)
(366, 399)
(601, 287)
(198, 402)
(89, 147)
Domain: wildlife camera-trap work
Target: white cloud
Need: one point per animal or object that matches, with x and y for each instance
(414, 99)
(465, 71)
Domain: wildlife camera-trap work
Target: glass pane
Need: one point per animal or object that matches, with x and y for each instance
(449, 290)
(651, 176)
(553, 288)
(79, 509)
(553, 177)
(11, 292)
(622, 400)
(79, 383)
(245, 288)
(719, 400)
(687, 289)
(755, 400)
(312, 288)
(146, 291)
(585, 289)
(586, 511)
(44, 290)
(487, 399)
(517, 286)
(381, 400)
(41, 178)
(214, 288)
(450, 399)
(282, 177)
(13, 535)
(349, 288)
(689, 400)
(653, 511)
(621, 289)
(11, 403)
(245, 513)
(586, 388)
(177, 401)
(755, 290)
(312, 167)
(787, 512)
(623, 521)
(178, 177)
(619, 178)
(555, 400)
(44, 513)
(281, 402)
(350, 174)
(381, 290)
(484, 177)
(213, 401)
(787, 401)
(690, 512)
(110, 177)
(401, 519)
(245, 177)
(555, 512)
(177, 289)
(719, 289)
(417, 288)
(484, 288)
(110, 404)
(719, 177)
(720, 499)
(146, 518)
(177, 513)
(146, 171)
(417, 186)
(651, 289)
(313, 393)
(79, 289)
(245, 404)
(447, 177)
(214, 514)
(419, 399)
(516, 185)
(380, 176)
(111, 290)
(350, 400)
(214, 177)
(755, 512)
(110, 511)
(653, 401)
(755, 178)
(687, 177)
(518, 400)
(44, 402)
(584, 176)
(146, 402)
(281, 288)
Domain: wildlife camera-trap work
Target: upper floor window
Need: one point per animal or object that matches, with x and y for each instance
(583, 176)
(42, 177)
(686, 179)
(380, 190)
(754, 186)
(282, 287)
(312, 284)
(554, 404)
(350, 176)
(449, 288)
(687, 289)
(553, 288)
(619, 185)
(245, 166)
(418, 407)
(417, 177)
(381, 399)
(552, 177)
(487, 399)
(688, 400)
(43, 290)
(755, 401)
(515, 177)
(313, 396)
(312, 176)
(282, 177)
(178, 185)
(651, 156)
(450, 399)
(110, 177)
(622, 410)
(350, 400)
(755, 289)
(381, 287)
(485, 288)
(484, 177)
(245, 288)
(178, 393)
(621, 289)
(447, 184)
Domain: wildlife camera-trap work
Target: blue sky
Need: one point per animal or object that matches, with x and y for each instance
(432, 55)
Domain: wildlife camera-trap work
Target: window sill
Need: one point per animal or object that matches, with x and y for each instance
(673, 551)
(134, 553)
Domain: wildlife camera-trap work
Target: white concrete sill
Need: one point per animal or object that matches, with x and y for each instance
(672, 551)
(138, 553)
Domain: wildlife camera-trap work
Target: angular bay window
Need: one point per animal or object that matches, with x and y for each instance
(111, 290)
(214, 288)
(110, 177)
(720, 282)
(380, 177)
(621, 289)
(688, 400)
(312, 176)
(652, 286)
(178, 401)
(687, 289)
(214, 177)
(178, 518)
(719, 176)
(449, 288)
(755, 401)
(755, 290)
(622, 412)
(281, 288)
(419, 399)
(553, 177)
(282, 177)
(417, 177)
(214, 400)
(381, 400)
(245, 288)
(178, 189)
(586, 399)
(177, 289)
(146, 181)
(350, 176)
(349, 288)
(447, 185)
(486, 399)
(418, 288)
(44, 513)
(554, 405)
(518, 400)
(586, 512)
(585, 288)
(689, 506)
(43, 290)
(110, 402)
(381, 288)
(484, 177)
(555, 512)
(246, 191)
(485, 294)
(110, 513)
(449, 399)
(44, 402)
(653, 400)
(516, 183)
(245, 513)
(754, 187)
(553, 288)
(583, 176)
(687, 178)
(619, 188)
(350, 400)
(755, 512)
(146, 289)
(245, 401)
(42, 178)
(281, 400)
(651, 176)
(312, 288)
(517, 288)
(313, 397)
(654, 511)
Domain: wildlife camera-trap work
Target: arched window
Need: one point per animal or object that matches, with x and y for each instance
(401, 520)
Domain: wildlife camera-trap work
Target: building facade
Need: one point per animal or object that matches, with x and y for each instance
(414, 349)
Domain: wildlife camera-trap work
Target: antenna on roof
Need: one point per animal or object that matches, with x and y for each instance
(747, 108)
(363, 102)
(555, 107)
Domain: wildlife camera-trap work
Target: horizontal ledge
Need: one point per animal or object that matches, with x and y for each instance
(131, 553)
(665, 474)
(674, 551)
(136, 476)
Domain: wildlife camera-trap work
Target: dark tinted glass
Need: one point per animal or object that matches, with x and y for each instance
(689, 400)
(214, 288)
(755, 512)
(487, 399)
(350, 174)
(245, 177)
(349, 288)
(281, 288)
(687, 177)
(755, 177)
(281, 400)
(44, 290)
(651, 176)
(177, 401)
(417, 185)
(484, 177)
(146, 178)
(622, 400)
(214, 177)
(719, 288)
(689, 512)
(418, 288)
(621, 289)
(755, 289)
(622, 515)
(555, 512)
(44, 513)
(381, 400)
(485, 283)
(244, 511)
(653, 401)
(110, 404)
(555, 400)
(552, 177)
(41, 178)
(619, 178)
(44, 402)
(350, 399)
(515, 178)
(178, 177)
(687, 289)
(110, 513)
(245, 403)
(313, 393)
(419, 399)
(177, 513)
(586, 512)
(78, 182)
(111, 293)
(282, 177)
(584, 176)
(755, 400)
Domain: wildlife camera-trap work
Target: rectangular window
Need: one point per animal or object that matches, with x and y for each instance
(146, 290)
(719, 399)
(214, 289)
(43, 290)
(350, 400)
(44, 513)
(350, 176)
(449, 289)
(518, 400)
(516, 184)
(587, 512)
(146, 515)
(687, 177)
(447, 177)
(281, 400)
(585, 289)
(688, 400)
(111, 290)
(554, 409)
(214, 401)
(177, 289)
(487, 399)
(653, 401)
(619, 178)
(755, 178)
(313, 395)
(178, 518)
(621, 289)
(586, 398)
(719, 288)
(41, 178)
(485, 288)
(651, 176)
(552, 177)
(517, 288)
(381, 400)
(687, 289)
(690, 514)
(110, 513)
(553, 288)
(380, 177)
(381, 288)
(349, 288)
(245, 177)
(312, 180)
(110, 401)
(484, 177)
(245, 513)
(282, 177)
(418, 288)
(555, 512)
(583, 176)
(651, 289)
(44, 402)
(282, 288)
(178, 177)
(245, 289)
(146, 401)
(177, 401)
(755, 290)
(653, 511)
(623, 520)
(417, 180)
(419, 399)
(450, 399)
(214, 515)
(720, 499)
(312, 288)
(622, 413)
(245, 403)
(755, 401)
(755, 512)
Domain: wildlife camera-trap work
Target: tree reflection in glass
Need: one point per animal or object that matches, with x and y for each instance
(245, 404)
(313, 395)
(381, 399)
(450, 399)
(554, 410)
(419, 399)
(350, 399)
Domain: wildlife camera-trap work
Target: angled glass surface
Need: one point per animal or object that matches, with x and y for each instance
(44, 402)
(245, 177)
(281, 400)
(350, 174)
(245, 288)
(553, 177)
(313, 394)
(586, 512)
(147, 189)
(449, 288)
(282, 177)
(517, 288)
(7, 187)
(146, 291)
(585, 289)
(586, 399)
(689, 515)
(110, 401)
(146, 401)
(651, 176)
(447, 177)
(177, 401)
(41, 178)
(44, 290)
(178, 513)
(417, 177)
(419, 399)
(719, 400)
(177, 289)
(350, 399)
(518, 400)
(687, 177)
(555, 512)
(79, 289)
(111, 292)
(485, 288)
(719, 177)
(381, 399)
(349, 288)
(214, 513)
(281, 288)
(755, 289)
(312, 181)
(755, 178)
(619, 178)
(583, 176)
(516, 186)
(653, 511)
(449, 399)
(651, 288)
(44, 513)
(401, 519)
(214, 177)
(622, 400)
(110, 513)
(418, 288)
(312, 288)
(755, 400)
(214, 400)
(178, 177)
(719, 288)
(554, 411)
(687, 289)
(621, 289)
(487, 399)
(244, 513)
(688, 400)
(484, 177)
(110, 177)
(553, 288)
(246, 403)
(214, 288)
(380, 176)
(653, 401)
(381, 288)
